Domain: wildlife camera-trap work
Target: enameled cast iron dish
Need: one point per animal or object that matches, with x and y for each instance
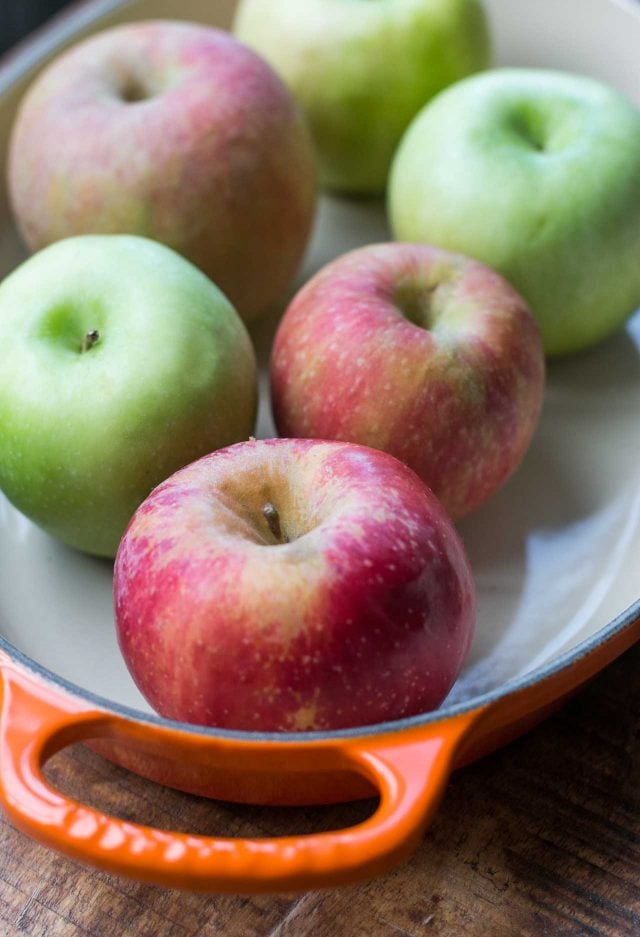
(556, 556)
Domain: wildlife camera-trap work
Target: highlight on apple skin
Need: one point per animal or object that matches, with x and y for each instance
(121, 362)
(361, 71)
(537, 174)
(175, 132)
(287, 585)
(419, 352)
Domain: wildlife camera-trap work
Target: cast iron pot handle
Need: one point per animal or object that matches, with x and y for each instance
(409, 769)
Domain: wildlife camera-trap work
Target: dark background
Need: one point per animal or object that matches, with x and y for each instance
(19, 17)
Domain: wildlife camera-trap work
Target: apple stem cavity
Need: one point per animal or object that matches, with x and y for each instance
(272, 516)
(414, 301)
(133, 92)
(90, 339)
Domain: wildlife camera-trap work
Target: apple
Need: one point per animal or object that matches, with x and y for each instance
(178, 133)
(121, 362)
(537, 174)
(287, 584)
(417, 351)
(363, 70)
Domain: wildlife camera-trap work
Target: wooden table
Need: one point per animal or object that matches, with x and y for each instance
(542, 838)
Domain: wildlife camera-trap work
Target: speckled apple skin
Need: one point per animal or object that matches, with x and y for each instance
(365, 615)
(214, 160)
(457, 398)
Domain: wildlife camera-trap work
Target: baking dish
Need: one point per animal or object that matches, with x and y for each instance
(556, 555)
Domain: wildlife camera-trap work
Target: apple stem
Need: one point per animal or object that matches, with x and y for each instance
(270, 511)
(90, 340)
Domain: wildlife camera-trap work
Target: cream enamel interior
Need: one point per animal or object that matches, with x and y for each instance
(556, 553)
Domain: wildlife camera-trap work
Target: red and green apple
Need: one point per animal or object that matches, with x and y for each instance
(285, 585)
(175, 132)
(422, 353)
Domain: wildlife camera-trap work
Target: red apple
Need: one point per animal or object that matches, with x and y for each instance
(293, 584)
(419, 352)
(176, 132)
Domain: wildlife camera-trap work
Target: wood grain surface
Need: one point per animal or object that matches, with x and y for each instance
(542, 838)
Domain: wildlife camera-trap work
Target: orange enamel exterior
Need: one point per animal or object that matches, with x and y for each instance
(409, 768)
(410, 772)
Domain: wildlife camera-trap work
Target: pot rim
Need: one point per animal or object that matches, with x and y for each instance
(565, 661)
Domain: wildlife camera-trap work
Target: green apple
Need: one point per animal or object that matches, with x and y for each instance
(536, 174)
(362, 69)
(121, 362)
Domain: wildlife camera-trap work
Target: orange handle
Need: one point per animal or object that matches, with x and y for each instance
(410, 770)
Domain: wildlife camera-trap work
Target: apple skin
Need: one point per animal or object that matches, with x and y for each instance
(421, 353)
(362, 71)
(85, 435)
(178, 133)
(364, 615)
(536, 174)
